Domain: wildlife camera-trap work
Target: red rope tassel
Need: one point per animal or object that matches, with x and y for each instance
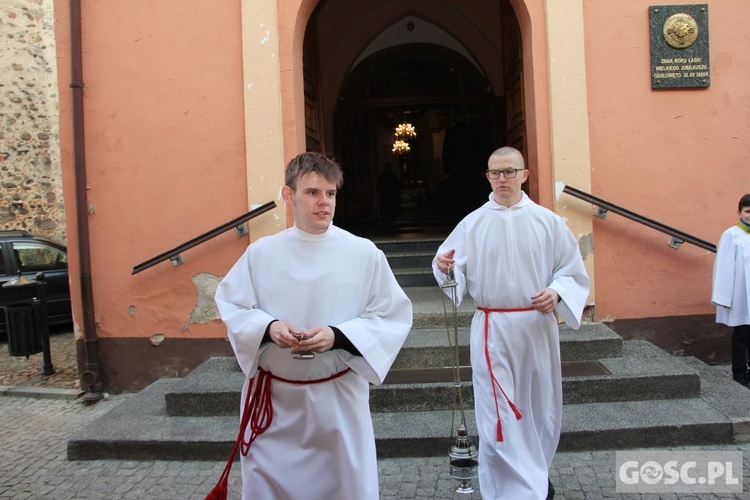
(219, 492)
(516, 411)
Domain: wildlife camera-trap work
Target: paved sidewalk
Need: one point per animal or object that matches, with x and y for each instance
(43, 413)
(27, 372)
(33, 464)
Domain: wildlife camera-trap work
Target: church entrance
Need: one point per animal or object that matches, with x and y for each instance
(417, 112)
(416, 126)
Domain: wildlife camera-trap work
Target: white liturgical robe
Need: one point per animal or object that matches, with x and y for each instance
(320, 444)
(731, 280)
(504, 255)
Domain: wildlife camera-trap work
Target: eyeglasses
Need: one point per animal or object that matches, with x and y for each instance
(509, 173)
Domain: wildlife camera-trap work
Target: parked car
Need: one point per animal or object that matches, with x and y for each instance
(27, 255)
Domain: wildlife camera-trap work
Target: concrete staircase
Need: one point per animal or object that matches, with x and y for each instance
(411, 260)
(617, 394)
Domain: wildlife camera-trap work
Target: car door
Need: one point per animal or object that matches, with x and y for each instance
(6, 274)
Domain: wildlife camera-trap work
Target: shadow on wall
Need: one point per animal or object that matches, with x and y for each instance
(696, 335)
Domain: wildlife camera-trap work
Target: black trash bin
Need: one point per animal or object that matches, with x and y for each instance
(25, 318)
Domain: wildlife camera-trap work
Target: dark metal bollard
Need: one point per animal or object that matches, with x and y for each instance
(26, 319)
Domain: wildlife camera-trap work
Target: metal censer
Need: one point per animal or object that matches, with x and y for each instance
(463, 454)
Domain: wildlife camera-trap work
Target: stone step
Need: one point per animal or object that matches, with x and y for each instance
(642, 373)
(411, 259)
(617, 394)
(415, 244)
(214, 387)
(414, 276)
(433, 347)
(140, 429)
(619, 425)
(609, 380)
(643, 424)
(432, 310)
(429, 305)
(418, 260)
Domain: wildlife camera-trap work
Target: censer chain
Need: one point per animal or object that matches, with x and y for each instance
(456, 364)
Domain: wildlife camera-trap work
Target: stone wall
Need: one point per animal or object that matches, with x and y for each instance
(30, 178)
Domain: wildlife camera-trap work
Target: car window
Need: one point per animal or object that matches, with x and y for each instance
(3, 267)
(35, 257)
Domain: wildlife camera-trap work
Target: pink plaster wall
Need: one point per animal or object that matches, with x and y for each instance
(165, 154)
(166, 157)
(165, 140)
(676, 156)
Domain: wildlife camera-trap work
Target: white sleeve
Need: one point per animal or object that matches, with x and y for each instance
(238, 307)
(569, 279)
(380, 331)
(723, 276)
(454, 241)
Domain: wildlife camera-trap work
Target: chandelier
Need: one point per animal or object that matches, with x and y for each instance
(406, 131)
(400, 147)
(403, 133)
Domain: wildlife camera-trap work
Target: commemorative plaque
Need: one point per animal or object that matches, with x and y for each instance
(679, 46)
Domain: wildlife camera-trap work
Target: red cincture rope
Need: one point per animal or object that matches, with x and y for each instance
(258, 414)
(259, 409)
(495, 384)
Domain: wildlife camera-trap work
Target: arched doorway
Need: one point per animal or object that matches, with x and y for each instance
(456, 80)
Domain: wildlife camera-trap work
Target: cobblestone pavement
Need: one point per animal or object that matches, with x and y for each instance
(22, 371)
(33, 464)
(34, 433)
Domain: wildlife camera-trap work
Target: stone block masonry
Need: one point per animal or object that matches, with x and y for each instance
(31, 195)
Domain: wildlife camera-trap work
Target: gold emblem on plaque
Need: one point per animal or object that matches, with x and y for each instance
(680, 30)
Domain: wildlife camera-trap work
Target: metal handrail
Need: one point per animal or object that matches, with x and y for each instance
(678, 237)
(174, 254)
